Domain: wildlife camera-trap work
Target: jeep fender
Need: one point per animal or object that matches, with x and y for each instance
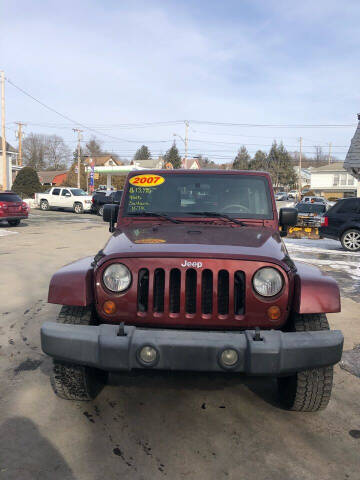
(73, 284)
(314, 291)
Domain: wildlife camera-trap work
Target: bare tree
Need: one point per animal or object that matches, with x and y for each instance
(58, 153)
(34, 151)
(93, 147)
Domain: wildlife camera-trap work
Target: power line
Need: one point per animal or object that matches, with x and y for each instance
(72, 120)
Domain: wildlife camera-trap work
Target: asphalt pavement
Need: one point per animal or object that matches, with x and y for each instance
(165, 424)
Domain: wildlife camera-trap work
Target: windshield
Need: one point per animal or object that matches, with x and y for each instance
(310, 208)
(242, 196)
(78, 192)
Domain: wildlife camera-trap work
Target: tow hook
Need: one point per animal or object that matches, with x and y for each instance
(121, 330)
(257, 336)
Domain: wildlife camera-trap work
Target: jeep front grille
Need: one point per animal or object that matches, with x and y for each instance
(192, 292)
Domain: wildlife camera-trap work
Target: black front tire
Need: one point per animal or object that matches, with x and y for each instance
(100, 210)
(71, 381)
(14, 223)
(310, 390)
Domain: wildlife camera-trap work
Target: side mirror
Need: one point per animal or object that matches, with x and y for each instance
(110, 215)
(67, 194)
(287, 218)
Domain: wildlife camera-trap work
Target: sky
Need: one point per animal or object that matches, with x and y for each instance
(131, 72)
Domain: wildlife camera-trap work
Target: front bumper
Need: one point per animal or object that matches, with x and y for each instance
(14, 217)
(276, 354)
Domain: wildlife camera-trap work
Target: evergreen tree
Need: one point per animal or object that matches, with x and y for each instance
(27, 183)
(281, 166)
(143, 153)
(259, 162)
(172, 156)
(242, 159)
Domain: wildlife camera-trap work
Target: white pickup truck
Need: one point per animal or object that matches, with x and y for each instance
(64, 197)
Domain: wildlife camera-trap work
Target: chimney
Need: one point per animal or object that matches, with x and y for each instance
(358, 115)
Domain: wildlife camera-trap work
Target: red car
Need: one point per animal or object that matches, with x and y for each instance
(195, 277)
(12, 208)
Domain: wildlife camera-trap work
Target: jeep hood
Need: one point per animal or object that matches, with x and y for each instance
(196, 240)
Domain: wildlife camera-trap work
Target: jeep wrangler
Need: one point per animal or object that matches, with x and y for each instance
(195, 277)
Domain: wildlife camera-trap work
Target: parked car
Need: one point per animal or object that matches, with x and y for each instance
(293, 194)
(309, 214)
(99, 199)
(314, 200)
(178, 287)
(74, 199)
(281, 196)
(12, 208)
(342, 222)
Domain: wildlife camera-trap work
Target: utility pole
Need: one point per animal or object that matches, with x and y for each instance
(330, 145)
(78, 154)
(186, 139)
(300, 155)
(19, 135)
(3, 138)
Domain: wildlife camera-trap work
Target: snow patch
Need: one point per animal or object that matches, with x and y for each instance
(4, 233)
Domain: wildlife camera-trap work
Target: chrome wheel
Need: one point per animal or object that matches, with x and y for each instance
(351, 240)
(78, 208)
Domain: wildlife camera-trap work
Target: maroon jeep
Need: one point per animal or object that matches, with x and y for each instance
(195, 277)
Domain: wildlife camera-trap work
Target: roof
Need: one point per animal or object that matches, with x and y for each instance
(352, 159)
(9, 148)
(101, 160)
(48, 176)
(333, 167)
(148, 163)
(188, 163)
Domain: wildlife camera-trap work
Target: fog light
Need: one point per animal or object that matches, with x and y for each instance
(148, 355)
(274, 312)
(229, 357)
(109, 307)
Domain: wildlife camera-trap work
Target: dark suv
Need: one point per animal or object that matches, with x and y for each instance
(12, 208)
(342, 222)
(100, 199)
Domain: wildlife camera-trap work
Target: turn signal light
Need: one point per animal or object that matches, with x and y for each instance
(273, 312)
(109, 307)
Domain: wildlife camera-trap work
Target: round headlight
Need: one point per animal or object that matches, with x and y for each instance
(268, 282)
(117, 277)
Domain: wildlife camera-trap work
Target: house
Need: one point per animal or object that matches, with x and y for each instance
(153, 163)
(102, 161)
(333, 181)
(12, 167)
(190, 164)
(53, 177)
(352, 159)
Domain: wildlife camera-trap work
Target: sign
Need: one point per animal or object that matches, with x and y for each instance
(147, 180)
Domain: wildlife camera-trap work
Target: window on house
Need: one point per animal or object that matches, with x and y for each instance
(350, 180)
(343, 179)
(336, 180)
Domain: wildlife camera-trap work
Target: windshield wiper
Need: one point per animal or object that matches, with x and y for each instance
(154, 214)
(219, 215)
